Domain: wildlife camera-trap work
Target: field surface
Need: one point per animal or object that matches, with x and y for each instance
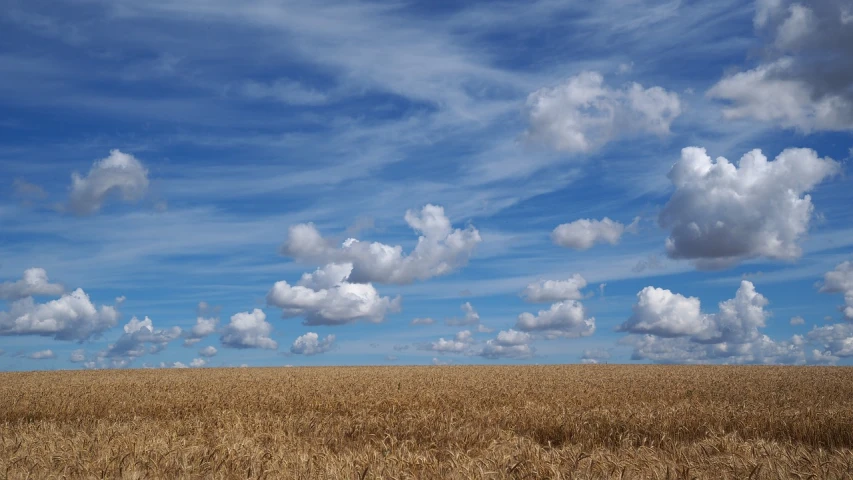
(430, 422)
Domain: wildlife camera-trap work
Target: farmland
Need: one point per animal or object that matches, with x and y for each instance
(578, 421)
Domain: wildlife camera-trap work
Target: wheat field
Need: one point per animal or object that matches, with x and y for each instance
(581, 421)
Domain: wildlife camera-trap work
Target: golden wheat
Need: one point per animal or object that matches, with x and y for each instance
(430, 422)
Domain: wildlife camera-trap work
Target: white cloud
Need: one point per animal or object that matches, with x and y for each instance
(140, 337)
(326, 298)
(595, 356)
(508, 344)
(762, 350)
(484, 329)
(800, 23)
(584, 233)
(546, 291)
(78, 356)
(767, 94)
(721, 214)
(805, 82)
(663, 313)
(42, 355)
(310, 344)
(447, 346)
(798, 320)
(464, 336)
(119, 173)
(820, 357)
(670, 328)
(563, 319)
(439, 251)
(765, 10)
(836, 340)
(248, 330)
(422, 321)
(204, 325)
(461, 343)
(208, 351)
(512, 337)
(34, 282)
(583, 114)
(198, 362)
(471, 316)
(71, 317)
(739, 318)
(840, 280)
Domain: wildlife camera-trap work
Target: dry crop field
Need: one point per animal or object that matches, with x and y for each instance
(590, 421)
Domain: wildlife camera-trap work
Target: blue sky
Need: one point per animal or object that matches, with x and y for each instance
(526, 178)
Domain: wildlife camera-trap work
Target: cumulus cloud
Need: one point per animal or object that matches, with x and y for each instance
(446, 346)
(460, 343)
(819, 357)
(204, 326)
(584, 233)
(422, 321)
(42, 355)
(71, 317)
(208, 351)
(310, 344)
(484, 329)
(763, 350)
(836, 340)
(508, 344)
(564, 319)
(805, 80)
(546, 291)
(326, 298)
(439, 251)
(798, 320)
(721, 214)
(671, 328)
(120, 173)
(78, 356)
(248, 330)
(595, 356)
(584, 114)
(33, 283)
(140, 337)
(198, 362)
(662, 313)
(464, 336)
(666, 314)
(840, 280)
(471, 316)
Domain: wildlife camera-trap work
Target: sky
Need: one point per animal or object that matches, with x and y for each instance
(205, 183)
